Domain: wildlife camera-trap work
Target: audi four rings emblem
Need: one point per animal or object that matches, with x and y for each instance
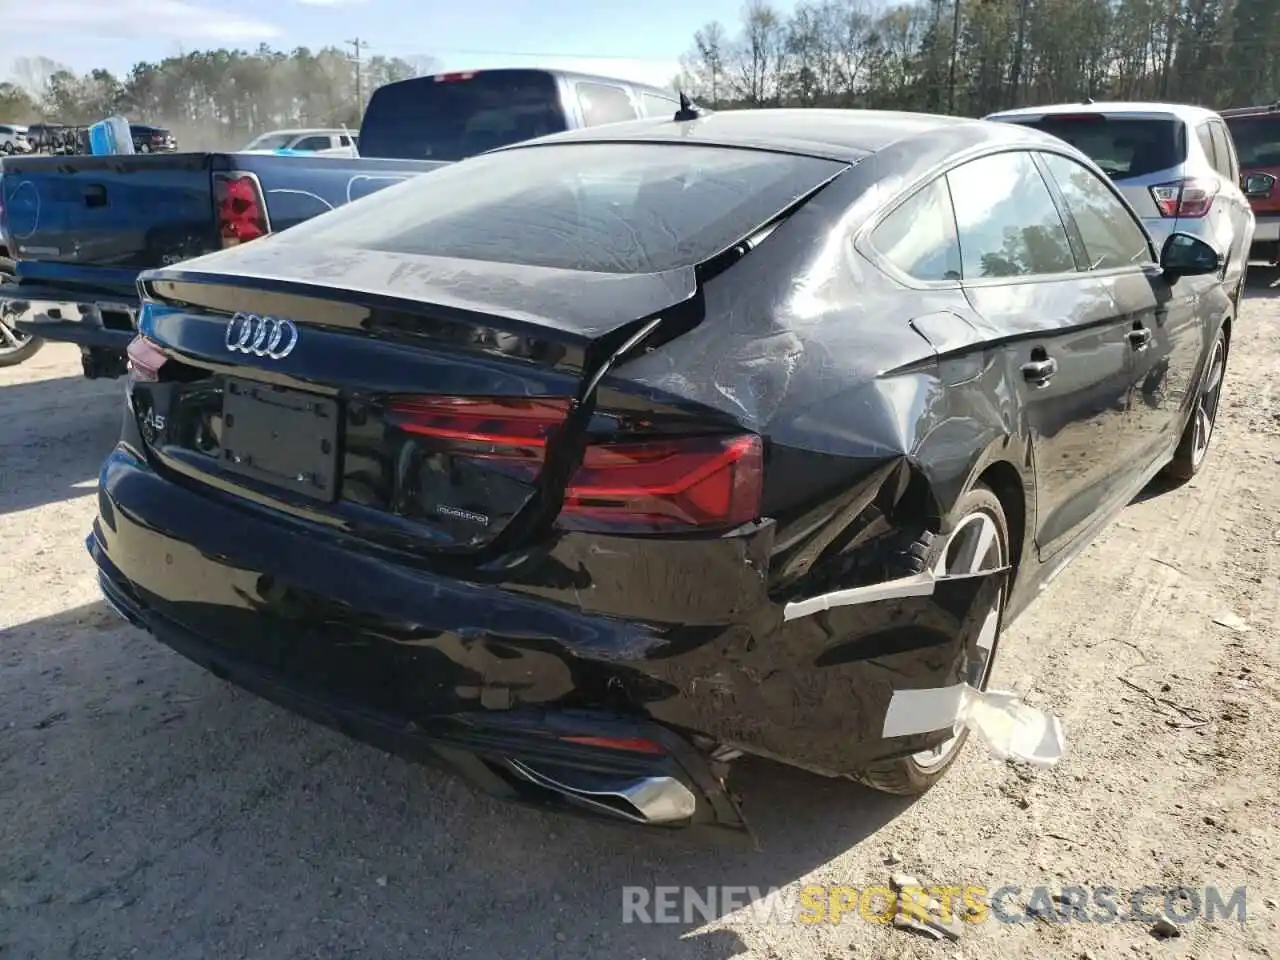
(261, 336)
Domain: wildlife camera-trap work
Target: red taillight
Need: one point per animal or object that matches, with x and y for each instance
(637, 485)
(145, 360)
(1185, 198)
(449, 77)
(242, 210)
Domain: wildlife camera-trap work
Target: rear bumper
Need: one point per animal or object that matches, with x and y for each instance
(678, 639)
(90, 321)
(515, 755)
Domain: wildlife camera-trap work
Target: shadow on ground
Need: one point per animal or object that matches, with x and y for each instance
(54, 434)
(154, 807)
(1262, 282)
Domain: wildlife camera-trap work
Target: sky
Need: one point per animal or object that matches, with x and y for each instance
(641, 42)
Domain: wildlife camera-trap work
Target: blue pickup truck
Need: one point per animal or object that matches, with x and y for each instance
(80, 229)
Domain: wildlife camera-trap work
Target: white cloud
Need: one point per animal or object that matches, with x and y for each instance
(125, 19)
(329, 3)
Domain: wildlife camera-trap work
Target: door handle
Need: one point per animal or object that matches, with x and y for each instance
(1038, 373)
(1139, 338)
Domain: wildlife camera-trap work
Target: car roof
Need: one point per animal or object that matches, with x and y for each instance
(294, 131)
(1134, 108)
(846, 135)
(571, 75)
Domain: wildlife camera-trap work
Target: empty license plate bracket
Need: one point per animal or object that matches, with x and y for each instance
(287, 438)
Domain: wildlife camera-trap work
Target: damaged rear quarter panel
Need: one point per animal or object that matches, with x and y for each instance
(855, 380)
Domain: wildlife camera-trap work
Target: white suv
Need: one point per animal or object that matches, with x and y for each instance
(1175, 164)
(13, 139)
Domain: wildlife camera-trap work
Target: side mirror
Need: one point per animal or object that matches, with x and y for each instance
(1257, 185)
(1187, 256)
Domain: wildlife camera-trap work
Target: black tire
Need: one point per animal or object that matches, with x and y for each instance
(1193, 447)
(11, 355)
(906, 776)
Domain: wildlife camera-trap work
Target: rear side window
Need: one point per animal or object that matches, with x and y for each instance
(448, 118)
(919, 237)
(1122, 146)
(1008, 223)
(1257, 140)
(603, 207)
(604, 103)
(1205, 136)
(658, 106)
(312, 143)
(1226, 164)
(1111, 236)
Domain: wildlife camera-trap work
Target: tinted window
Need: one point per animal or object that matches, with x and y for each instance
(1122, 147)
(1257, 140)
(658, 106)
(919, 238)
(1226, 164)
(607, 207)
(313, 143)
(604, 103)
(344, 140)
(1007, 220)
(1111, 236)
(430, 119)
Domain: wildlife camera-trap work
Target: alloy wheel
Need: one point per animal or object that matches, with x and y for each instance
(1205, 415)
(975, 546)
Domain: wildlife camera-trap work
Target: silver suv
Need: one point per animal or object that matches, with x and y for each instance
(13, 139)
(1175, 164)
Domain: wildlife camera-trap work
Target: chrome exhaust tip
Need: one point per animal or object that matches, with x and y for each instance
(655, 801)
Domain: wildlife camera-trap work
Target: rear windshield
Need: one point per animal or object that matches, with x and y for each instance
(1122, 147)
(602, 207)
(1257, 140)
(430, 118)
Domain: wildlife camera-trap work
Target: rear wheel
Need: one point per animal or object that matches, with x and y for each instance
(1196, 436)
(15, 346)
(978, 542)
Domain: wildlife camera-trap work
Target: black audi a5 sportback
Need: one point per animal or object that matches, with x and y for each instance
(590, 464)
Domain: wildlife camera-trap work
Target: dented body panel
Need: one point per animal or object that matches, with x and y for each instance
(880, 402)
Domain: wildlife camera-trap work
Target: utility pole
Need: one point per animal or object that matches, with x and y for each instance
(357, 44)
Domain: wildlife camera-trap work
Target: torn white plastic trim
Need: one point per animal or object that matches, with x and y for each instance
(913, 712)
(1011, 729)
(917, 585)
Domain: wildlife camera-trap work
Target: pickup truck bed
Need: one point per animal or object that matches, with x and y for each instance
(82, 228)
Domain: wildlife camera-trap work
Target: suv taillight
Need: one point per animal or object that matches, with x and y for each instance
(639, 485)
(1185, 198)
(242, 208)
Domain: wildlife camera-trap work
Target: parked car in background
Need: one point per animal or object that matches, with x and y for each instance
(1256, 132)
(83, 228)
(1175, 164)
(593, 462)
(13, 139)
(149, 139)
(325, 142)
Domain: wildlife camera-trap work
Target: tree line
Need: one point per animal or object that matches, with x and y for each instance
(948, 56)
(211, 98)
(973, 57)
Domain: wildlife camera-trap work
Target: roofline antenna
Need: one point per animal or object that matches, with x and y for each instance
(687, 110)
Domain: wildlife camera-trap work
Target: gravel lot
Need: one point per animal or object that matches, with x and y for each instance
(149, 810)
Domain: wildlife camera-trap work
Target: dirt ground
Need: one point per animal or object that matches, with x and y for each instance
(150, 810)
